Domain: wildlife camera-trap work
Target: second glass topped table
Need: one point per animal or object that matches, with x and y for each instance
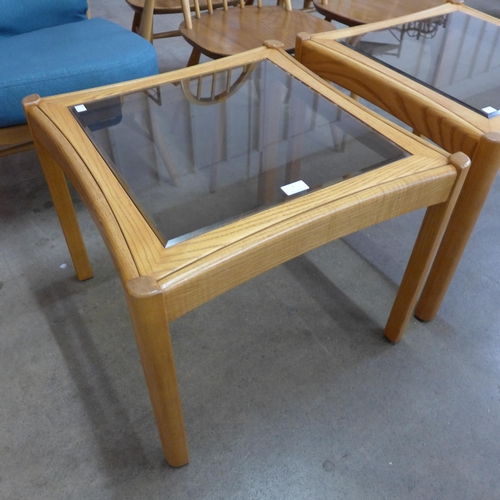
(439, 72)
(455, 54)
(203, 178)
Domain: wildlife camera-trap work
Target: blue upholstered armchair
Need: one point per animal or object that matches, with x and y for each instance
(49, 47)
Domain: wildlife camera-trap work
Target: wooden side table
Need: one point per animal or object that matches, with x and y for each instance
(269, 162)
(439, 72)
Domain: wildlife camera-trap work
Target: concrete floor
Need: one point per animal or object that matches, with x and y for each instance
(289, 389)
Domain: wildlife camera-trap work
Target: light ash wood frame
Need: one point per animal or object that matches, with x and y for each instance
(162, 284)
(230, 30)
(17, 138)
(446, 122)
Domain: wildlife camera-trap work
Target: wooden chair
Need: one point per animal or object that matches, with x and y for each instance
(222, 32)
(162, 7)
(98, 52)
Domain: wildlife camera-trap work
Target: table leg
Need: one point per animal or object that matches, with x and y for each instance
(65, 210)
(422, 256)
(149, 317)
(485, 164)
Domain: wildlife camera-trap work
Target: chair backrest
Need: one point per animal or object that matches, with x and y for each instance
(23, 16)
(209, 7)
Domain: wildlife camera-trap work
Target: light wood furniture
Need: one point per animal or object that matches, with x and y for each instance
(166, 272)
(464, 71)
(162, 7)
(355, 12)
(16, 139)
(230, 30)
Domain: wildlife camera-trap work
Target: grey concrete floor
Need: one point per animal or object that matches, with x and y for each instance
(289, 389)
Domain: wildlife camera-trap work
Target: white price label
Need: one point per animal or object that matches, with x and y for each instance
(294, 188)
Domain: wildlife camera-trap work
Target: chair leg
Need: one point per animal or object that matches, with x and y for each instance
(485, 165)
(136, 22)
(161, 146)
(422, 256)
(149, 318)
(65, 209)
(194, 59)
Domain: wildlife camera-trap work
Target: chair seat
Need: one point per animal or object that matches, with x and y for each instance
(212, 32)
(66, 58)
(356, 12)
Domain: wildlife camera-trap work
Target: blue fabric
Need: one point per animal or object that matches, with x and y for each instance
(70, 57)
(22, 16)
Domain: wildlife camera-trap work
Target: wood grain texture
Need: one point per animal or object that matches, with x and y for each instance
(423, 254)
(62, 152)
(420, 111)
(161, 284)
(149, 256)
(236, 30)
(147, 310)
(462, 222)
(441, 119)
(65, 210)
(238, 259)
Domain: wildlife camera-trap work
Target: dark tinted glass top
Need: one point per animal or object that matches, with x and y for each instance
(199, 153)
(455, 54)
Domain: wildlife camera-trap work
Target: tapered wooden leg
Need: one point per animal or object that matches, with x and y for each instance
(426, 245)
(147, 309)
(485, 165)
(65, 210)
(136, 22)
(194, 58)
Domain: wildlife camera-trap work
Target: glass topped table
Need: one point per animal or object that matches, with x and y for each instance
(226, 152)
(444, 64)
(203, 178)
(455, 54)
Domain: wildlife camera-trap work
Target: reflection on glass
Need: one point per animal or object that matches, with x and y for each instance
(456, 54)
(202, 152)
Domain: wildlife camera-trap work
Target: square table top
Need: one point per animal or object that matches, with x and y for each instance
(450, 54)
(277, 125)
(226, 137)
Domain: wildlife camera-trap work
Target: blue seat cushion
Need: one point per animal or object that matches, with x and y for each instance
(66, 58)
(21, 16)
